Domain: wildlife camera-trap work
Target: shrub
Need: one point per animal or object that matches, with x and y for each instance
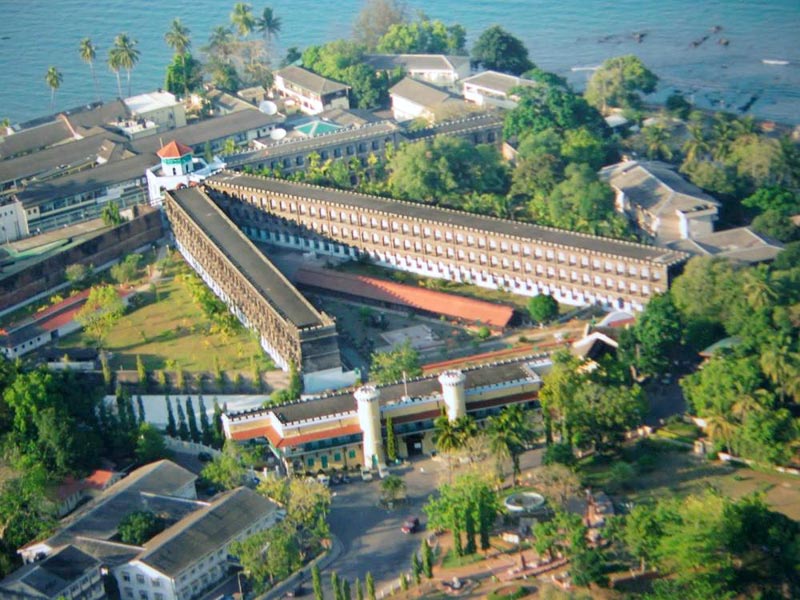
(507, 593)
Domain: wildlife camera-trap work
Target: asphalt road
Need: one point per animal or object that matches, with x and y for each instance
(371, 535)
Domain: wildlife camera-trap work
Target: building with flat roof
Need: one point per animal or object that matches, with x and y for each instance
(160, 108)
(413, 99)
(519, 257)
(309, 92)
(741, 244)
(291, 330)
(345, 429)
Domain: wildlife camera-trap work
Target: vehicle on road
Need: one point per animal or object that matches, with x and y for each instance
(411, 525)
(366, 475)
(383, 472)
(296, 591)
(205, 457)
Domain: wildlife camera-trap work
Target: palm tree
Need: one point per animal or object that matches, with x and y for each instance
(220, 42)
(750, 402)
(782, 367)
(124, 55)
(720, 426)
(269, 25)
(88, 54)
(53, 78)
(696, 147)
(656, 138)
(114, 65)
(509, 433)
(758, 289)
(450, 436)
(178, 39)
(243, 19)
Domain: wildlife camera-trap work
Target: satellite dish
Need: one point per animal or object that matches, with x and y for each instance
(268, 108)
(277, 134)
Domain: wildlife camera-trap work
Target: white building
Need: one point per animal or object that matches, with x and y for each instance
(412, 99)
(178, 168)
(185, 559)
(308, 92)
(438, 69)
(660, 202)
(161, 109)
(68, 574)
(491, 88)
(190, 556)
(13, 224)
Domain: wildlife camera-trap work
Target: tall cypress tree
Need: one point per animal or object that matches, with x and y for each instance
(370, 587)
(183, 428)
(391, 442)
(206, 434)
(172, 429)
(337, 589)
(219, 436)
(316, 580)
(140, 403)
(469, 529)
(359, 590)
(416, 568)
(346, 594)
(427, 559)
(194, 431)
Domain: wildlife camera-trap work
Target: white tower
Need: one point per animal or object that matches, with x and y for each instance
(455, 398)
(369, 418)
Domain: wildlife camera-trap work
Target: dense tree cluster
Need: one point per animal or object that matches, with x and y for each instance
(389, 367)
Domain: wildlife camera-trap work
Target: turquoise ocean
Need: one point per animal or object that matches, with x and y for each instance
(561, 35)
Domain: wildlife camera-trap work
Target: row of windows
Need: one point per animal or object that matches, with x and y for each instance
(460, 238)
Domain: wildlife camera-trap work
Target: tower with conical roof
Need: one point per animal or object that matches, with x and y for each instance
(176, 159)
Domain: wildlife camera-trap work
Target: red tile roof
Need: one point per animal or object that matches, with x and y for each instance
(277, 441)
(174, 150)
(99, 479)
(450, 305)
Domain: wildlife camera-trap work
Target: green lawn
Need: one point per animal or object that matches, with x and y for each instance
(170, 331)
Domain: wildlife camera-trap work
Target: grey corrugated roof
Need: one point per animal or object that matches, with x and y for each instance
(178, 547)
(72, 153)
(420, 93)
(34, 138)
(655, 187)
(499, 82)
(252, 263)
(51, 576)
(546, 235)
(216, 128)
(417, 388)
(415, 62)
(98, 114)
(87, 180)
(310, 81)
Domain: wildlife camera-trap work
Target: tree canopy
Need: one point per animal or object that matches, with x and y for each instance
(423, 36)
(498, 50)
(388, 367)
(619, 82)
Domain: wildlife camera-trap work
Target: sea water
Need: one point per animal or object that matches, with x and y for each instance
(680, 43)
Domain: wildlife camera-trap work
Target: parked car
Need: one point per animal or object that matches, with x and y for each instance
(205, 457)
(296, 591)
(411, 525)
(383, 472)
(346, 478)
(324, 479)
(366, 475)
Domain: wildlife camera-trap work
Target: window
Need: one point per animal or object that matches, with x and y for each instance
(143, 596)
(140, 579)
(128, 592)
(125, 576)
(155, 582)
(159, 596)
(309, 462)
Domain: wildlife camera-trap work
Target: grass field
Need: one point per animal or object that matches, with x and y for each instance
(168, 331)
(674, 473)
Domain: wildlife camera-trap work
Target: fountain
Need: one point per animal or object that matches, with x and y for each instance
(524, 502)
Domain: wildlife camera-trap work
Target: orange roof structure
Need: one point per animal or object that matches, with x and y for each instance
(174, 150)
(295, 440)
(457, 307)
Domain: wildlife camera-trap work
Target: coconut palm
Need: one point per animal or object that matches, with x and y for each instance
(782, 367)
(88, 53)
(748, 403)
(758, 289)
(243, 19)
(269, 25)
(220, 43)
(178, 39)
(656, 140)
(720, 427)
(509, 433)
(697, 146)
(53, 78)
(123, 55)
